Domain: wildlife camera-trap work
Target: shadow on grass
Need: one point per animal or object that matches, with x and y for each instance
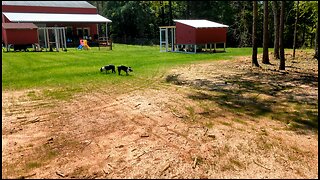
(280, 96)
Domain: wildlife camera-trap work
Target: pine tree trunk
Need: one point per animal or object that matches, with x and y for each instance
(162, 13)
(295, 32)
(265, 56)
(317, 41)
(189, 5)
(170, 13)
(282, 57)
(276, 19)
(254, 35)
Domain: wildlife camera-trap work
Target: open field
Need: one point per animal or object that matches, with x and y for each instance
(175, 116)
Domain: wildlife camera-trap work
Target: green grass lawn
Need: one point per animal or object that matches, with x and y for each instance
(80, 68)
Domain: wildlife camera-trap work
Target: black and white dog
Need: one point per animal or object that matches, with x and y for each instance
(125, 69)
(108, 67)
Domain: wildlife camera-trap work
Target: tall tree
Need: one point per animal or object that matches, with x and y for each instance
(254, 35)
(162, 14)
(282, 58)
(276, 19)
(317, 41)
(295, 31)
(265, 56)
(170, 13)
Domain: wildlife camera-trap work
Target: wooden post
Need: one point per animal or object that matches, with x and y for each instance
(195, 48)
(224, 45)
(210, 47)
(215, 47)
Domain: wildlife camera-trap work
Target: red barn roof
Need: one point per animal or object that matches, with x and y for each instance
(19, 26)
(53, 17)
(73, 4)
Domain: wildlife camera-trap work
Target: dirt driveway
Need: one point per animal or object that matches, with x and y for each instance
(222, 119)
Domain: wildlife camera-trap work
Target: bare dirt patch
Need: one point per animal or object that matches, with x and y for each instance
(223, 119)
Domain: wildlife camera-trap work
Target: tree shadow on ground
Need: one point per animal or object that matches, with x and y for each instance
(281, 96)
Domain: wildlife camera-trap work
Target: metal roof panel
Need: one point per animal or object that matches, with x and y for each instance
(53, 17)
(19, 26)
(201, 23)
(74, 4)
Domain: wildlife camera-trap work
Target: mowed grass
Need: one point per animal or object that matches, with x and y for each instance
(79, 69)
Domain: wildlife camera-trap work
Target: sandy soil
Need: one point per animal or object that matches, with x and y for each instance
(205, 120)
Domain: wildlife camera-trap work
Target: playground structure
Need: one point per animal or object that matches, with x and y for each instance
(83, 45)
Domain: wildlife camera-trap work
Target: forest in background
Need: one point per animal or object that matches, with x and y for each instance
(137, 22)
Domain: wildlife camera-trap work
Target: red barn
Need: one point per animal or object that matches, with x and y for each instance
(189, 34)
(79, 18)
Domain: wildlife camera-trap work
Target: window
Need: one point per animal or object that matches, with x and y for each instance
(80, 32)
(83, 32)
(86, 32)
(69, 34)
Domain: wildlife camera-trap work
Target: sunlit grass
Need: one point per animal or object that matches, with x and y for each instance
(80, 68)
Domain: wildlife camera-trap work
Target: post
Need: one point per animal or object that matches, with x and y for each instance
(56, 38)
(215, 46)
(160, 39)
(65, 38)
(174, 38)
(195, 48)
(172, 43)
(61, 38)
(224, 46)
(167, 43)
(38, 38)
(48, 42)
(98, 31)
(107, 31)
(210, 47)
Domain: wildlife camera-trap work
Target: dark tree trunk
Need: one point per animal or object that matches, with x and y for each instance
(282, 58)
(162, 13)
(304, 35)
(317, 41)
(188, 10)
(276, 19)
(254, 35)
(295, 32)
(265, 56)
(170, 13)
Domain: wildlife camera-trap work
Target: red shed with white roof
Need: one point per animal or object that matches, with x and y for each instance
(19, 33)
(193, 33)
(200, 32)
